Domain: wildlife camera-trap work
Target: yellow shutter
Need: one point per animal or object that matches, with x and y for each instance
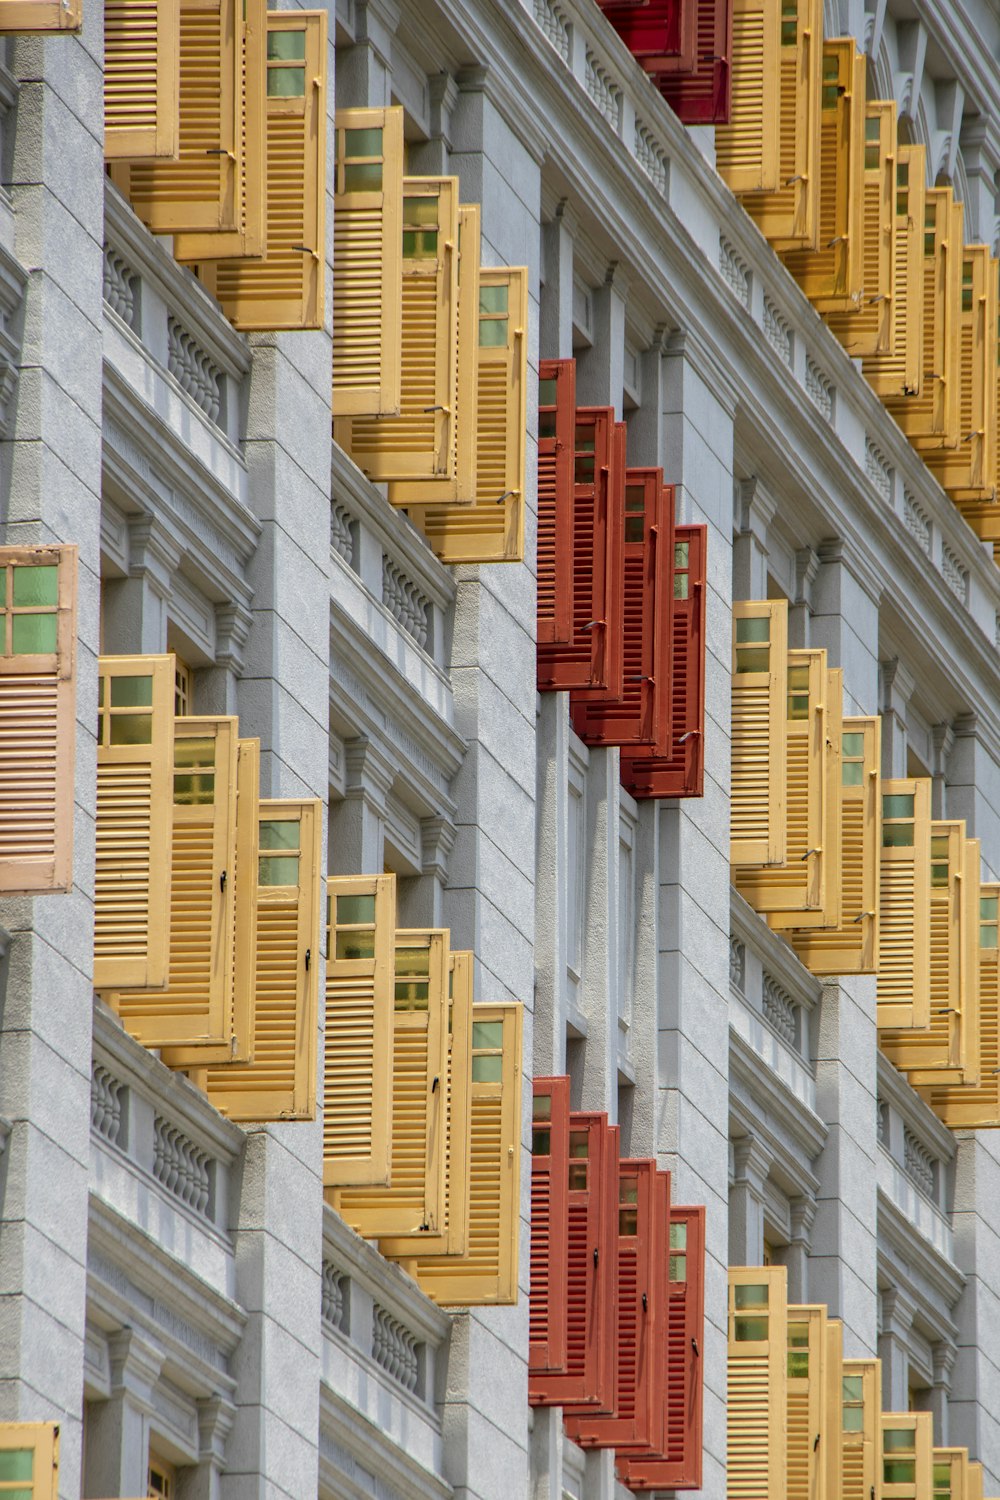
(196, 1005)
(460, 485)
(807, 1404)
(239, 1023)
(367, 262)
(979, 501)
(966, 1107)
(832, 274)
(851, 947)
(827, 914)
(357, 1070)
(452, 1239)
(974, 1488)
(861, 1394)
(930, 418)
(906, 1461)
(419, 443)
(798, 883)
(965, 469)
(759, 708)
(757, 1418)
(40, 15)
(832, 1442)
(747, 149)
(37, 717)
(135, 767)
(29, 1460)
(868, 330)
(280, 1083)
(492, 528)
(900, 372)
(412, 1204)
(285, 288)
(903, 991)
(789, 216)
(141, 79)
(487, 1273)
(950, 1474)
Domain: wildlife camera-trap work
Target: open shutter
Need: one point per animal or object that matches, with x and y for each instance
(861, 1385)
(196, 1005)
(966, 469)
(930, 416)
(759, 716)
(280, 1083)
(756, 1426)
(285, 288)
(358, 1051)
(135, 767)
(975, 1489)
(833, 1390)
(906, 1456)
(702, 96)
(413, 1202)
(659, 33)
(487, 1273)
(827, 913)
(807, 1405)
(368, 262)
(40, 15)
(831, 275)
(746, 149)
(950, 1474)
(851, 947)
(680, 773)
(640, 714)
(903, 990)
(970, 1106)
(37, 717)
(491, 529)
(869, 329)
(29, 1460)
(788, 216)
(899, 372)
(141, 79)
(549, 1228)
(602, 1323)
(556, 426)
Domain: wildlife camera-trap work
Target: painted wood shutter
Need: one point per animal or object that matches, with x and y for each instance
(807, 1408)
(196, 1005)
(827, 913)
(851, 947)
(659, 33)
(487, 1273)
(966, 469)
(602, 1324)
(37, 717)
(906, 1456)
(556, 426)
(868, 329)
(368, 262)
(831, 275)
(833, 1390)
(285, 289)
(358, 1050)
(903, 989)
(491, 529)
(747, 148)
(703, 95)
(141, 79)
(759, 716)
(280, 1083)
(29, 1460)
(949, 1474)
(975, 1484)
(930, 416)
(788, 216)
(549, 1228)
(969, 1106)
(860, 1403)
(135, 767)
(640, 715)
(412, 1204)
(40, 15)
(756, 1448)
(899, 372)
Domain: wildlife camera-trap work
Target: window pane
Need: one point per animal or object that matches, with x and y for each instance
(577, 1177)
(678, 1236)
(751, 1330)
(753, 1295)
(680, 585)
(898, 1471)
(678, 1268)
(898, 1440)
(3, 586)
(420, 244)
(356, 944)
(278, 869)
(798, 1367)
(132, 729)
(754, 659)
(413, 962)
(681, 554)
(852, 744)
(360, 142)
(33, 635)
(988, 908)
(853, 773)
(853, 1388)
(493, 299)
(579, 1143)
(17, 1463)
(635, 528)
(753, 631)
(279, 835)
(628, 1221)
(898, 836)
(487, 1069)
(541, 1107)
(541, 1143)
(290, 46)
(355, 910)
(363, 177)
(286, 83)
(547, 392)
(492, 333)
(196, 790)
(131, 692)
(487, 1034)
(34, 586)
(854, 1419)
(198, 754)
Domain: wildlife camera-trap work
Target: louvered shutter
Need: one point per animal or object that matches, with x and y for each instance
(966, 470)
(556, 426)
(549, 1228)
(949, 1474)
(747, 148)
(756, 1427)
(930, 417)
(196, 1005)
(832, 1458)
(285, 289)
(239, 1025)
(487, 1273)
(759, 716)
(280, 1083)
(491, 529)
(37, 717)
(861, 1395)
(967, 1107)
(602, 1324)
(903, 990)
(827, 914)
(659, 33)
(368, 262)
(831, 275)
(868, 329)
(852, 946)
(899, 372)
(807, 1407)
(798, 883)
(703, 95)
(906, 1456)
(358, 1049)
(640, 715)
(40, 15)
(681, 773)
(788, 216)
(412, 1204)
(135, 765)
(29, 1460)
(975, 1482)
(141, 79)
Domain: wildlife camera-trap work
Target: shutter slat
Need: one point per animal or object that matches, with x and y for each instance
(747, 147)
(788, 216)
(903, 988)
(703, 96)
(556, 421)
(547, 1332)
(759, 697)
(899, 372)
(141, 79)
(868, 329)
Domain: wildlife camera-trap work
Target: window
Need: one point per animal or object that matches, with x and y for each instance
(183, 689)
(162, 1479)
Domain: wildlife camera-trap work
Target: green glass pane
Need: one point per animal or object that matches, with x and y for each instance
(286, 83)
(541, 1142)
(751, 1330)
(678, 1268)
(942, 1475)
(492, 333)
(131, 692)
(363, 177)
(897, 836)
(798, 1335)
(351, 945)
(798, 706)
(579, 1143)
(288, 46)
(35, 586)
(276, 834)
(493, 299)
(751, 632)
(939, 846)
(635, 528)
(898, 1471)
(583, 468)
(3, 587)
(852, 773)
(194, 790)
(987, 937)
(753, 1294)
(894, 806)
(420, 244)
(585, 439)
(682, 554)
(421, 212)
(854, 1419)
(355, 911)
(989, 908)
(17, 1463)
(635, 497)
(33, 635)
(898, 1440)
(628, 1190)
(190, 754)
(541, 1107)
(576, 1179)
(678, 1236)
(411, 994)
(628, 1221)
(21, 1492)
(278, 869)
(852, 744)
(939, 876)
(853, 1388)
(680, 585)
(798, 1367)
(546, 425)
(413, 963)
(929, 244)
(367, 142)
(830, 95)
(487, 1034)
(487, 1069)
(132, 729)
(754, 659)
(547, 392)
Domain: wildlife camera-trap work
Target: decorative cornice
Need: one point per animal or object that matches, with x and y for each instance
(232, 631)
(834, 550)
(510, 104)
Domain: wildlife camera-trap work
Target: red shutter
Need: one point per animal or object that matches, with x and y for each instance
(659, 33)
(682, 773)
(641, 714)
(556, 422)
(702, 97)
(549, 1228)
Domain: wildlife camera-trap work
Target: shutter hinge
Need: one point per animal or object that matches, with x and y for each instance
(435, 1084)
(222, 881)
(590, 625)
(816, 1443)
(645, 1304)
(818, 850)
(308, 958)
(220, 151)
(694, 1346)
(689, 735)
(507, 495)
(596, 1255)
(428, 409)
(306, 250)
